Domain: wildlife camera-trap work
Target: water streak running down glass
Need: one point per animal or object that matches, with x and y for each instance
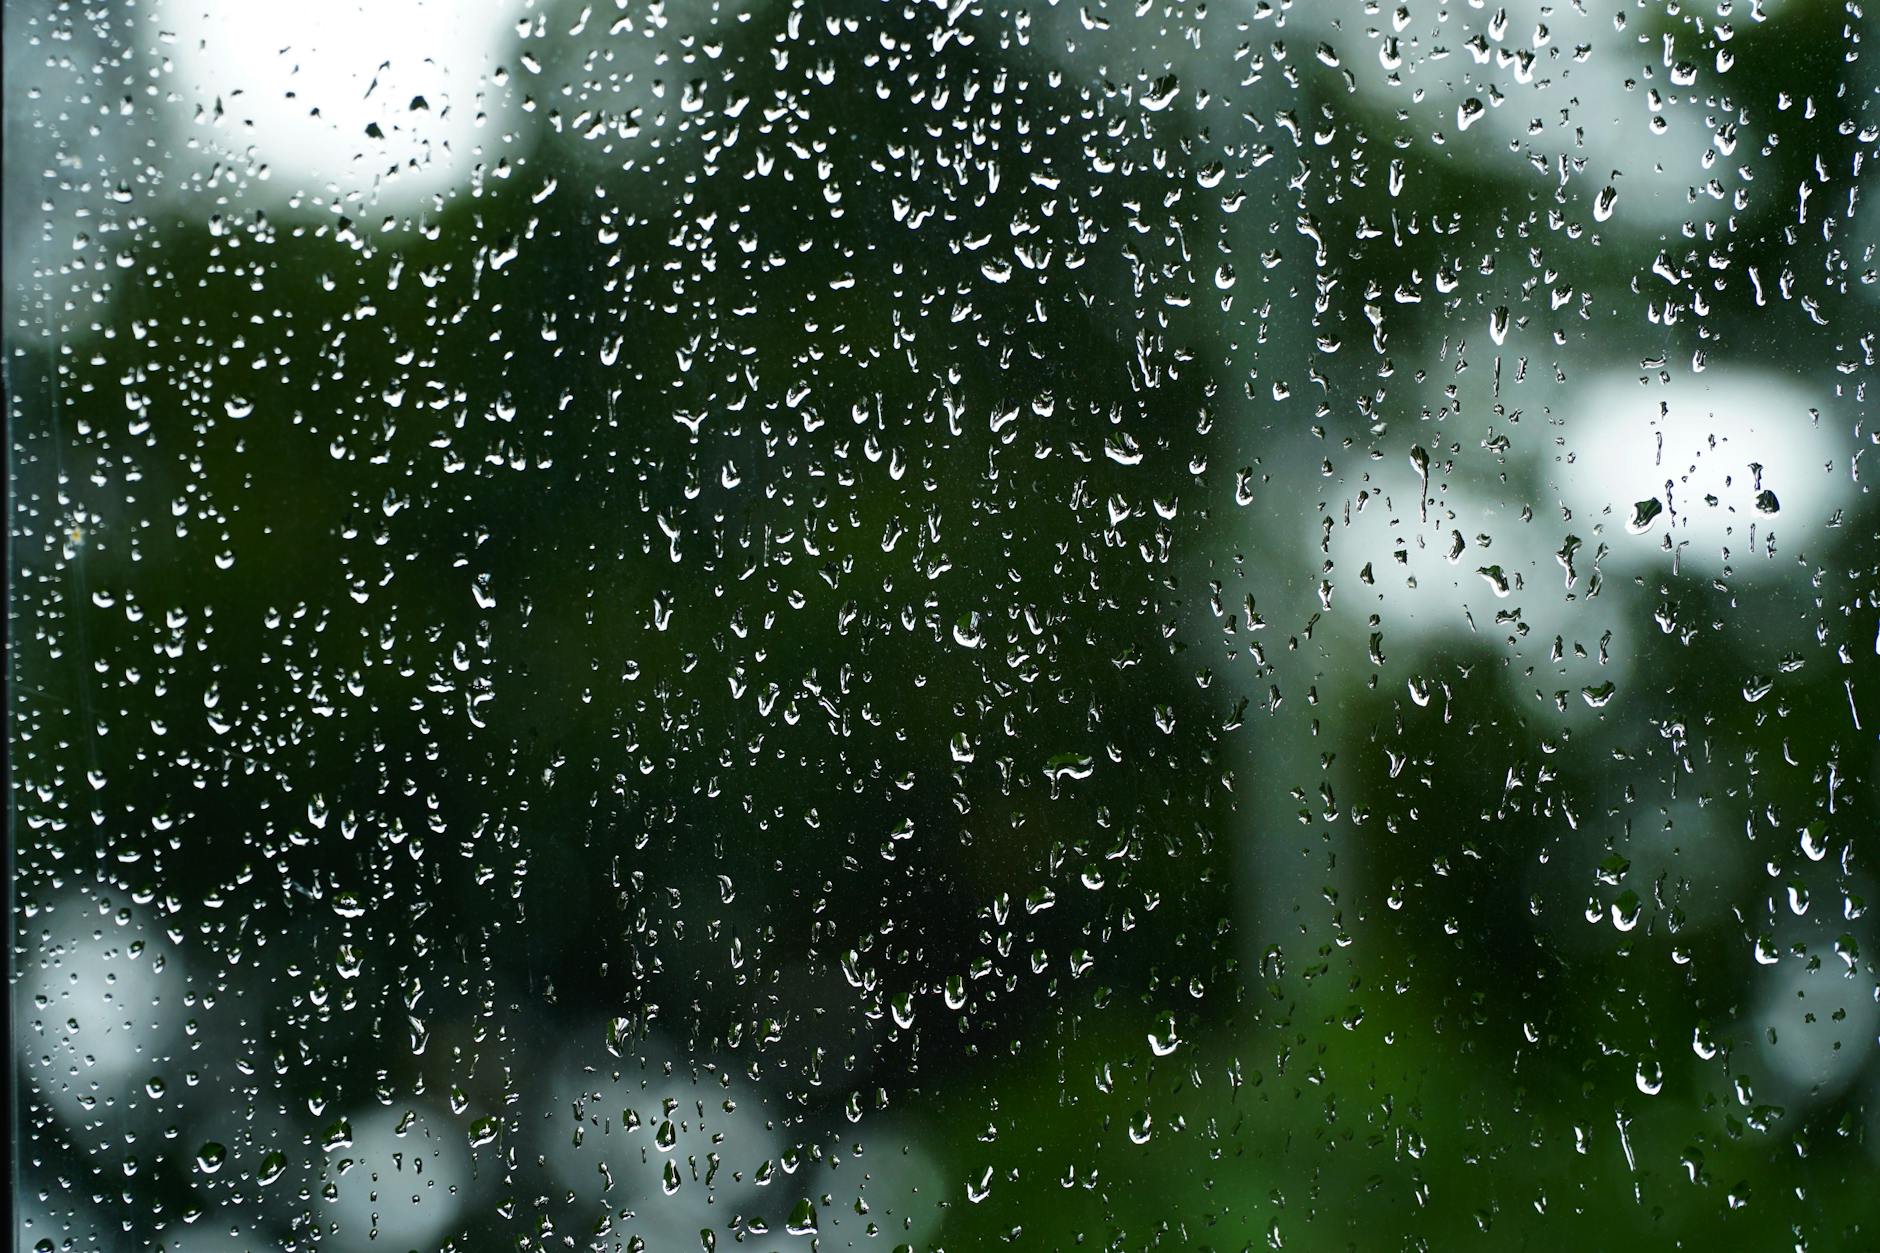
(940, 626)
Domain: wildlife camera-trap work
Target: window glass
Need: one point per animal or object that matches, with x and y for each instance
(1114, 623)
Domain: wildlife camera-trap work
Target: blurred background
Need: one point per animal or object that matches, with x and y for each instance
(1118, 625)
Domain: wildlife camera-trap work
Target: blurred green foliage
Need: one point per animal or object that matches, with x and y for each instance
(735, 587)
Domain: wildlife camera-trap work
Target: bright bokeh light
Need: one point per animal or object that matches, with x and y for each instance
(408, 1182)
(1720, 439)
(384, 102)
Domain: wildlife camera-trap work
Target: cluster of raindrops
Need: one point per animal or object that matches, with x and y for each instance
(919, 625)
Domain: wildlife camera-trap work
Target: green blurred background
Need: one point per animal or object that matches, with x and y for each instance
(943, 625)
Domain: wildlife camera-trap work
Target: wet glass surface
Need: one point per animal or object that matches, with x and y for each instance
(856, 625)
